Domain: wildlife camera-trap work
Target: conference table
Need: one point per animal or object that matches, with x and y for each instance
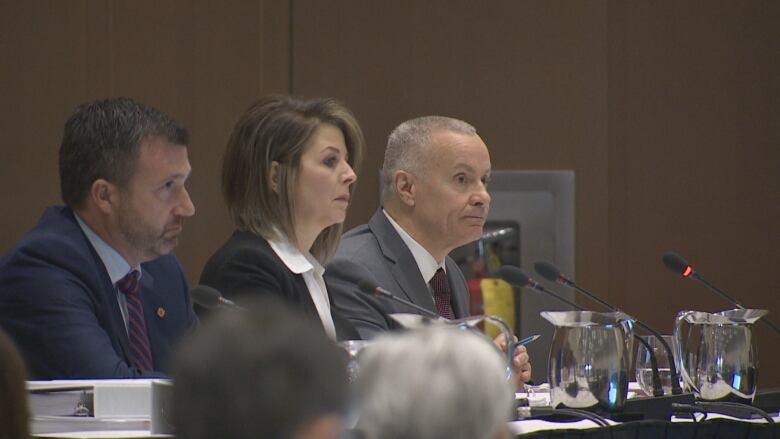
(699, 427)
(715, 427)
(144, 404)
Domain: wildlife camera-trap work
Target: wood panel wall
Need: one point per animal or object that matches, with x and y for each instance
(667, 112)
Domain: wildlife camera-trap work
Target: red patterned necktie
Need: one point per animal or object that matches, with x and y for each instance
(442, 294)
(140, 352)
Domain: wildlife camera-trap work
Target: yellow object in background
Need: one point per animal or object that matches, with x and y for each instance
(498, 298)
(492, 260)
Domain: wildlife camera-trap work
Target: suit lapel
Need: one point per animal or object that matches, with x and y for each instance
(344, 329)
(297, 282)
(303, 292)
(405, 271)
(115, 320)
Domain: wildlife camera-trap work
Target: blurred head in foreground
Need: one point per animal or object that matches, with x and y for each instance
(14, 416)
(265, 372)
(433, 383)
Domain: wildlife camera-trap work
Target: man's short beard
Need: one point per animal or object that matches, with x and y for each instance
(132, 227)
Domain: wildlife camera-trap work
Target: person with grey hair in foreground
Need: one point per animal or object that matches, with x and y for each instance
(268, 372)
(433, 383)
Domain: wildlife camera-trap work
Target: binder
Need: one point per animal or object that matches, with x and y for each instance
(61, 406)
(125, 399)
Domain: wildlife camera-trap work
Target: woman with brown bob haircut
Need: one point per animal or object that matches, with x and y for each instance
(287, 179)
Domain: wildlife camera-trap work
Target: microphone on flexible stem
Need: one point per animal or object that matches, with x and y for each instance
(355, 274)
(368, 287)
(677, 264)
(209, 297)
(553, 274)
(517, 277)
(767, 399)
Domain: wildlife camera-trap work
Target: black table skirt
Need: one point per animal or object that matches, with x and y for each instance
(710, 429)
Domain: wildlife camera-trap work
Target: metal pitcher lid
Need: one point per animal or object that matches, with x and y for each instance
(585, 318)
(413, 321)
(728, 317)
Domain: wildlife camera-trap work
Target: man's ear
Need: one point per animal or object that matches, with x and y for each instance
(405, 185)
(273, 176)
(103, 194)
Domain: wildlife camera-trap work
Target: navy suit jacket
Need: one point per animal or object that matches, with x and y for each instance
(389, 263)
(246, 267)
(58, 304)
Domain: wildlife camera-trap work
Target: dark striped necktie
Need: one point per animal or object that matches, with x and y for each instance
(442, 295)
(140, 351)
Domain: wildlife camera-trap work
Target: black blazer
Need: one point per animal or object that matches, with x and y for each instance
(246, 266)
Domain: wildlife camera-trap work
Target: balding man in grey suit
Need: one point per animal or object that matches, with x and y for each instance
(434, 199)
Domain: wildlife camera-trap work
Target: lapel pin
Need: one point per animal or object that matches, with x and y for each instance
(161, 312)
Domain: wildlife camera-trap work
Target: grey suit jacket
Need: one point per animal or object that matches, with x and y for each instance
(388, 263)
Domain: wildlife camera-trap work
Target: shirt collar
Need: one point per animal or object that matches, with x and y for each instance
(424, 259)
(116, 266)
(296, 261)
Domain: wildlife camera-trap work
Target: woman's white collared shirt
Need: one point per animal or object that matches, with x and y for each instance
(311, 270)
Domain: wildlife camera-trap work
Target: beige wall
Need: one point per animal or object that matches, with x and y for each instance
(667, 111)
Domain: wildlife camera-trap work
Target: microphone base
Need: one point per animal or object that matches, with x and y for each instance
(657, 407)
(635, 409)
(768, 400)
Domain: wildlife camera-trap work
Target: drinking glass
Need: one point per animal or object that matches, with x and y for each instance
(353, 348)
(644, 370)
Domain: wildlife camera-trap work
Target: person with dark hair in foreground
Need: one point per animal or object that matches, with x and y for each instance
(92, 290)
(266, 372)
(14, 416)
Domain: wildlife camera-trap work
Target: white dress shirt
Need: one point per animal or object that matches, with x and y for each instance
(311, 270)
(424, 259)
(116, 266)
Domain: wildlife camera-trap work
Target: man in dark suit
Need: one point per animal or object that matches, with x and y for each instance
(434, 199)
(92, 290)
